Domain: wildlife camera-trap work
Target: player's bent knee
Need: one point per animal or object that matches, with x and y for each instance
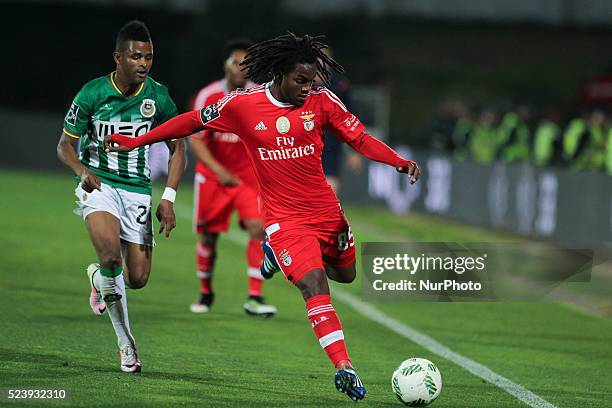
(348, 274)
(137, 282)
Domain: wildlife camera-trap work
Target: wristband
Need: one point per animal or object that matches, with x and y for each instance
(169, 194)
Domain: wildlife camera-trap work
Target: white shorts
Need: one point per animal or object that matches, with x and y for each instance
(133, 210)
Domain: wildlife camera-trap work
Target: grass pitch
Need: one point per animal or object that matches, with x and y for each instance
(50, 338)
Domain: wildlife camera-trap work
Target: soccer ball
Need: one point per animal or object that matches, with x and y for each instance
(417, 382)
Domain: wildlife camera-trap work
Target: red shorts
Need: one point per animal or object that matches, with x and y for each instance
(215, 203)
(303, 246)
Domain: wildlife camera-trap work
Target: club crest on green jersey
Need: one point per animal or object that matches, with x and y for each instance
(147, 108)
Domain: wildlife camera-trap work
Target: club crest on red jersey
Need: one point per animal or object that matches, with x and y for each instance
(285, 257)
(147, 108)
(283, 125)
(308, 122)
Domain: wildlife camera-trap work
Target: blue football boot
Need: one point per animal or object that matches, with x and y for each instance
(348, 382)
(269, 266)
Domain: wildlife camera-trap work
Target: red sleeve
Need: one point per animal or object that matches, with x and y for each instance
(339, 120)
(376, 150)
(185, 124)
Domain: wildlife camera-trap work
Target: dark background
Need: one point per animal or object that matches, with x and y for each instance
(51, 49)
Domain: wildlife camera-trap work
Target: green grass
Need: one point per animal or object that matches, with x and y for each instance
(50, 339)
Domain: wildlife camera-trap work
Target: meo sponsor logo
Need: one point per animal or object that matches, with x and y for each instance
(133, 129)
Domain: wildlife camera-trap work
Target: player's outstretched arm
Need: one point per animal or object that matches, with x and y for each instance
(180, 126)
(376, 150)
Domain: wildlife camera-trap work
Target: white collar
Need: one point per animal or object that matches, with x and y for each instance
(274, 100)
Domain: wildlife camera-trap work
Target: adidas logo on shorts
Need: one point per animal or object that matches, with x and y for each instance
(261, 126)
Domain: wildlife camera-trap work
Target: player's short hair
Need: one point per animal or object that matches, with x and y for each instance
(134, 30)
(236, 44)
(269, 59)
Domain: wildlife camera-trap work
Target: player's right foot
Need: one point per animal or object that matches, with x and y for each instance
(95, 298)
(268, 266)
(129, 359)
(348, 382)
(203, 303)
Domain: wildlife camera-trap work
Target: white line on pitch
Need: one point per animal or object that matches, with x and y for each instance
(435, 347)
(428, 343)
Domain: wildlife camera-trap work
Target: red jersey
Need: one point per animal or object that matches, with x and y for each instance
(284, 144)
(226, 147)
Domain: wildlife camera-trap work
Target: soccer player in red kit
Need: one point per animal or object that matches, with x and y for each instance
(281, 124)
(224, 182)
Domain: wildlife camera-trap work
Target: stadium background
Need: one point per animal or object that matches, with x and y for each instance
(408, 56)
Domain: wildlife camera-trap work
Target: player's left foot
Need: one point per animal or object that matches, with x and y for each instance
(95, 298)
(129, 359)
(348, 382)
(255, 306)
(268, 266)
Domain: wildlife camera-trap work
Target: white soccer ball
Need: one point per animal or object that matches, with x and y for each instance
(417, 382)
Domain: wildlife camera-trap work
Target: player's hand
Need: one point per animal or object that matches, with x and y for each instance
(411, 168)
(166, 217)
(117, 143)
(227, 178)
(89, 181)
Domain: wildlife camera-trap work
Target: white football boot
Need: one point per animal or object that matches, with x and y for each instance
(129, 359)
(95, 298)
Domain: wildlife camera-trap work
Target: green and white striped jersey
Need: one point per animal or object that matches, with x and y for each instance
(100, 109)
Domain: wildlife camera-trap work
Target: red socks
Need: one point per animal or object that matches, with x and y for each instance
(254, 256)
(205, 261)
(327, 328)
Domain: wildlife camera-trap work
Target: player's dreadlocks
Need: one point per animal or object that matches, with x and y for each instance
(134, 30)
(268, 59)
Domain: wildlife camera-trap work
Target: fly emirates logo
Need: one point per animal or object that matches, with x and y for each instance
(286, 150)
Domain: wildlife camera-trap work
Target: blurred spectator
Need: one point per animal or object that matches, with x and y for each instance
(585, 141)
(444, 123)
(514, 135)
(484, 138)
(609, 151)
(464, 127)
(546, 138)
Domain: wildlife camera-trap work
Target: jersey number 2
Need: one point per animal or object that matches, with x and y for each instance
(142, 217)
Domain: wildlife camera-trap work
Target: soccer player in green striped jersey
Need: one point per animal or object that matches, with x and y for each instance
(114, 189)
